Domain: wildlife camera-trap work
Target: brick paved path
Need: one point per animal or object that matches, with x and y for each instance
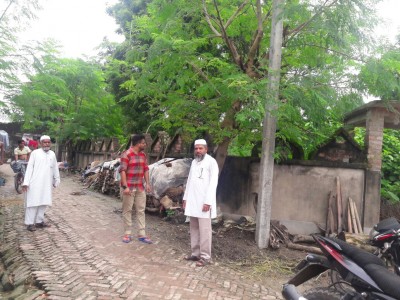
(82, 257)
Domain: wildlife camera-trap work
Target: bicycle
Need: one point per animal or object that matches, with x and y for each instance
(19, 168)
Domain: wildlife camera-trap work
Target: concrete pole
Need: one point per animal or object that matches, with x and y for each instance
(269, 127)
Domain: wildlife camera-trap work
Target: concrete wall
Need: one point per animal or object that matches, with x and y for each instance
(300, 193)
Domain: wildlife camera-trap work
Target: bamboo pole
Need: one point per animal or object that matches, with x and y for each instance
(353, 216)
(349, 227)
(359, 227)
(339, 205)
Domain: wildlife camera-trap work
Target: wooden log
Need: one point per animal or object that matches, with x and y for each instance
(360, 241)
(339, 205)
(300, 238)
(353, 216)
(311, 249)
(360, 229)
(349, 227)
(329, 215)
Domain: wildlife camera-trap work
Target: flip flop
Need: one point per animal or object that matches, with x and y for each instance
(127, 238)
(192, 258)
(43, 225)
(202, 263)
(145, 240)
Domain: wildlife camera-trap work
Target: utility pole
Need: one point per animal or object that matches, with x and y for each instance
(269, 127)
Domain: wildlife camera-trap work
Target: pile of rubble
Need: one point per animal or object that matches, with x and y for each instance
(167, 179)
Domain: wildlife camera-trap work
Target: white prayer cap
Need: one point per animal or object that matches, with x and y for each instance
(44, 137)
(200, 142)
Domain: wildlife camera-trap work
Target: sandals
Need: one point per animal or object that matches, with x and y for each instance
(145, 240)
(127, 238)
(202, 262)
(43, 225)
(192, 258)
(31, 228)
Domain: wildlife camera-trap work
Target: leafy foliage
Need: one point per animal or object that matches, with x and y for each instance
(202, 66)
(67, 98)
(381, 76)
(14, 16)
(390, 184)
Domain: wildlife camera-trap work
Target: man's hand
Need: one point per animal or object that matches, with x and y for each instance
(183, 204)
(206, 207)
(24, 188)
(127, 191)
(148, 188)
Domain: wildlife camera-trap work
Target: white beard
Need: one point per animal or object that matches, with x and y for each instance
(199, 157)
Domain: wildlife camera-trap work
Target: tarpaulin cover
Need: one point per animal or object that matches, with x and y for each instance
(168, 172)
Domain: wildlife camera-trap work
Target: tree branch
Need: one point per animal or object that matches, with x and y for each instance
(4, 12)
(208, 20)
(256, 42)
(204, 76)
(236, 13)
(235, 55)
(295, 31)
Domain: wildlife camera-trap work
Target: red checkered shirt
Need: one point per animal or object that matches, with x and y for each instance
(134, 165)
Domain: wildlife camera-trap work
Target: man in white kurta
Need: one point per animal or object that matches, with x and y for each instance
(41, 176)
(199, 202)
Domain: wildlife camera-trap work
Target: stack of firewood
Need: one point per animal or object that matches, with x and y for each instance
(338, 221)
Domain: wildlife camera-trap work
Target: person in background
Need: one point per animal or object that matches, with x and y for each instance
(2, 151)
(133, 169)
(41, 176)
(22, 152)
(199, 202)
(33, 144)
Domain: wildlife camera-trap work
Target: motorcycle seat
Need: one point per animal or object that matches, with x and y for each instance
(388, 282)
(360, 257)
(387, 224)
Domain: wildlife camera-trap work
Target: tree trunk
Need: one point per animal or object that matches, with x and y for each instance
(227, 124)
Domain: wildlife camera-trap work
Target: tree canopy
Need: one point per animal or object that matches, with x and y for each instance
(68, 99)
(201, 66)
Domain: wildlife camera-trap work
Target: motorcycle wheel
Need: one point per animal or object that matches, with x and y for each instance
(322, 294)
(18, 178)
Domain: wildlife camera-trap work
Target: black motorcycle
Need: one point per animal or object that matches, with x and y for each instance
(385, 236)
(365, 274)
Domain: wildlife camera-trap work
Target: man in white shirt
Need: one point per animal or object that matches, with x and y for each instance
(41, 176)
(199, 202)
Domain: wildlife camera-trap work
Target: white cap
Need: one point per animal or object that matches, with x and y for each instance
(200, 142)
(44, 137)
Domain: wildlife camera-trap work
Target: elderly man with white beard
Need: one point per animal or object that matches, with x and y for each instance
(41, 176)
(199, 202)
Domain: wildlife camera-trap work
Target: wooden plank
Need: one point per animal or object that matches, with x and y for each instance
(353, 216)
(359, 227)
(339, 205)
(349, 227)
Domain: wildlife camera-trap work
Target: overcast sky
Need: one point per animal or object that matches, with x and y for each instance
(79, 25)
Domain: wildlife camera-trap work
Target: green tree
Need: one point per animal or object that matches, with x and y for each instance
(14, 17)
(380, 76)
(68, 99)
(203, 66)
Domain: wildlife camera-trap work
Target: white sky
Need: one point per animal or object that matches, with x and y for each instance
(389, 10)
(79, 25)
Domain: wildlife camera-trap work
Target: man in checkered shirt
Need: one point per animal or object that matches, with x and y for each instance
(133, 169)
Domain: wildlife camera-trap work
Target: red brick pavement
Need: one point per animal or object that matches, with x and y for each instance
(82, 257)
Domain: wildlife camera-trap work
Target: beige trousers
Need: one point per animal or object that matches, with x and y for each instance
(201, 237)
(137, 199)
